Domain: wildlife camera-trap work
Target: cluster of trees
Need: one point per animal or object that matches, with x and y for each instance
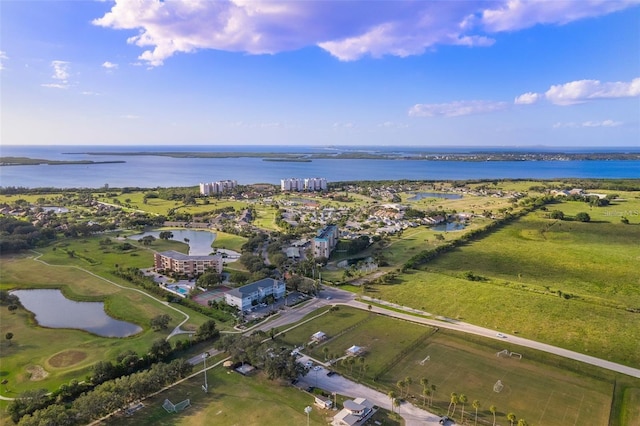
(17, 235)
(580, 217)
(261, 351)
(110, 396)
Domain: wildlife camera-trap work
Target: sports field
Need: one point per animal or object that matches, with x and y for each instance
(542, 394)
(232, 399)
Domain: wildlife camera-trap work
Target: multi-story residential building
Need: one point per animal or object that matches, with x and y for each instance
(184, 264)
(246, 296)
(292, 184)
(325, 241)
(315, 184)
(306, 184)
(217, 187)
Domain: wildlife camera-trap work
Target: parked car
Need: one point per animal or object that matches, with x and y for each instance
(445, 420)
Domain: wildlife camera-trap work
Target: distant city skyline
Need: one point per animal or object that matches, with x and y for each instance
(405, 73)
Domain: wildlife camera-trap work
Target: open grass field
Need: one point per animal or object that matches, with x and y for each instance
(524, 265)
(543, 389)
(232, 399)
(229, 241)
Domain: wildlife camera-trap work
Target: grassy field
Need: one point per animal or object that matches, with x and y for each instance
(525, 265)
(541, 394)
(232, 399)
(543, 389)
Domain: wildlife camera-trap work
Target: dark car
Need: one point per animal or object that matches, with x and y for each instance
(331, 373)
(444, 420)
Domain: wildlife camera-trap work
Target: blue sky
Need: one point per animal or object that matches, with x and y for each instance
(429, 73)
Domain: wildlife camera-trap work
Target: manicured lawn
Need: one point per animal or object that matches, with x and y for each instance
(229, 241)
(232, 399)
(34, 346)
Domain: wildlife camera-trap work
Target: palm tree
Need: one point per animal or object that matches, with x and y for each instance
(453, 401)
(493, 409)
(522, 422)
(396, 402)
(407, 382)
(463, 400)
(400, 384)
(392, 396)
(425, 393)
(511, 417)
(476, 405)
(325, 351)
(424, 382)
(433, 392)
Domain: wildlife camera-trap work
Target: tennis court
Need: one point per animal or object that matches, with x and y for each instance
(213, 294)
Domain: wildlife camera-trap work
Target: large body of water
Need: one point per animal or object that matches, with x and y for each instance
(199, 241)
(156, 171)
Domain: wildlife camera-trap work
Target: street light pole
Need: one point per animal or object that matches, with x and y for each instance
(307, 410)
(205, 387)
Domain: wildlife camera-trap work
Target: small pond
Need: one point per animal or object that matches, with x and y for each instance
(55, 209)
(449, 226)
(199, 241)
(54, 310)
(420, 195)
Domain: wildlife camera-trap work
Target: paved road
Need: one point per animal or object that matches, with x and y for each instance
(412, 415)
(492, 334)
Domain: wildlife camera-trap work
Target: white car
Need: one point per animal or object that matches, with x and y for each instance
(502, 336)
(317, 368)
(308, 364)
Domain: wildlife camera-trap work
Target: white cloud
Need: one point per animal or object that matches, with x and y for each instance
(347, 125)
(603, 123)
(585, 90)
(60, 74)
(55, 85)
(3, 56)
(130, 117)
(109, 65)
(456, 109)
(60, 70)
(348, 30)
(393, 125)
(527, 98)
(514, 15)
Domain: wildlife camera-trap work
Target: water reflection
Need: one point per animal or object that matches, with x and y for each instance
(54, 310)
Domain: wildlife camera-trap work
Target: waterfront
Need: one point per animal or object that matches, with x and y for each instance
(149, 171)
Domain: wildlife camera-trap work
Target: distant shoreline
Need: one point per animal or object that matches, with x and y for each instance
(25, 161)
(418, 156)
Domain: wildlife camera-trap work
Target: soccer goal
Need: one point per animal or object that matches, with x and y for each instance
(428, 358)
(175, 408)
(498, 386)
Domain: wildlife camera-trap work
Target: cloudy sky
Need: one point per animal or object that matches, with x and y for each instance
(305, 72)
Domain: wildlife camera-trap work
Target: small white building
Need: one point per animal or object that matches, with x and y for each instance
(354, 411)
(354, 350)
(318, 336)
